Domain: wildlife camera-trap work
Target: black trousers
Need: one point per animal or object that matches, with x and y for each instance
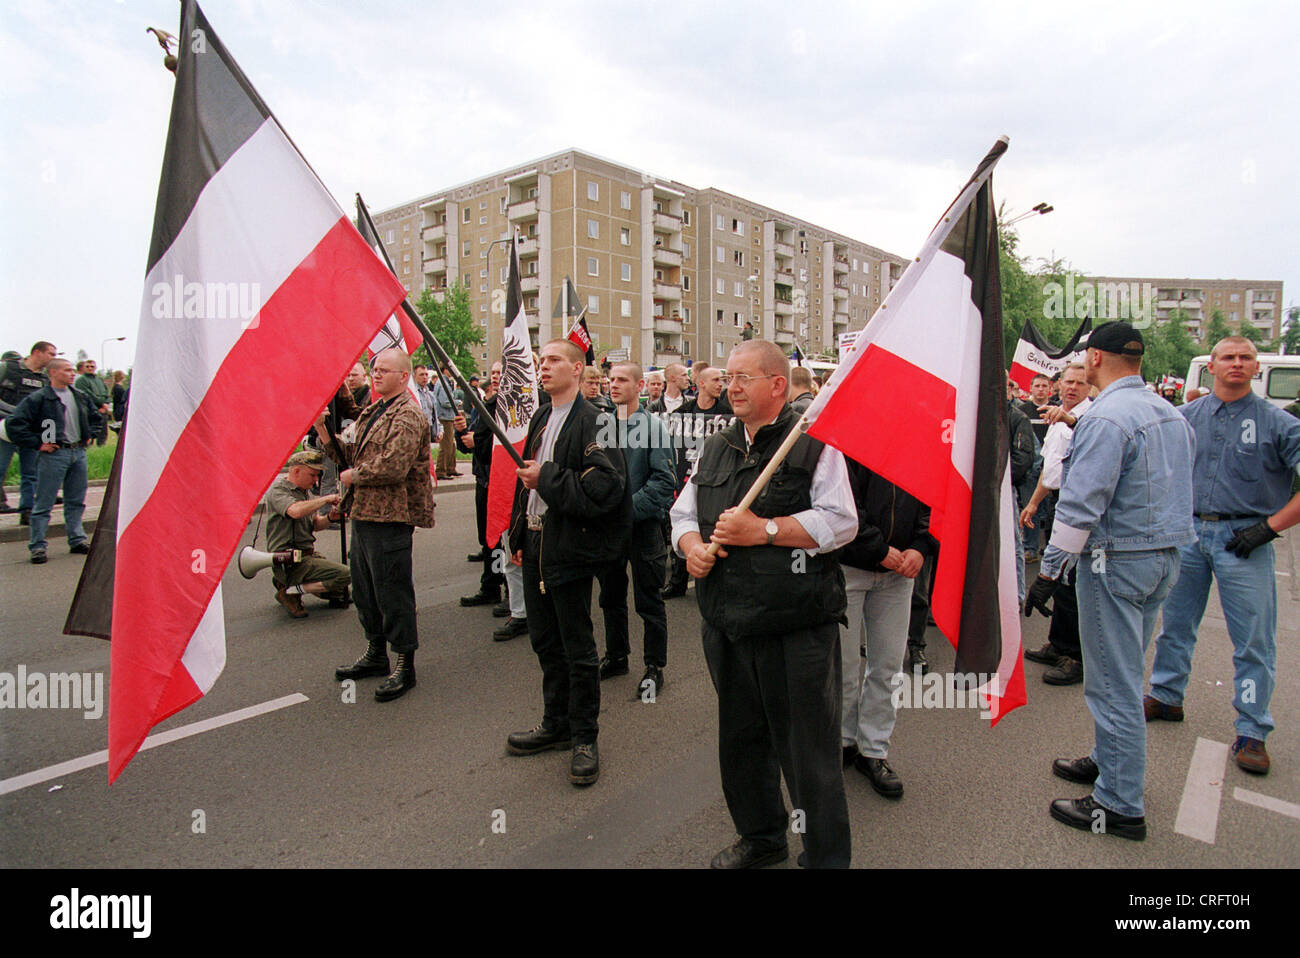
(490, 581)
(383, 585)
(647, 552)
(921, 604)
(1063, 633)
(779, 711)
(559, 626)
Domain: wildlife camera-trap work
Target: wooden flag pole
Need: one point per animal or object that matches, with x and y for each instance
(761, 481)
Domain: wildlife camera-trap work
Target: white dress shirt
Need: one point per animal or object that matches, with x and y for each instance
(1056, 444)
(832, 520)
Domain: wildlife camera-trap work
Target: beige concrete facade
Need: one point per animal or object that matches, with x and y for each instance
(667, 272)
(1258, 302)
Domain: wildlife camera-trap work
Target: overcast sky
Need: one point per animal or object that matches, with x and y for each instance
(1165, 135)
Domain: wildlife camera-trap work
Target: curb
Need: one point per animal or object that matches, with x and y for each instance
(57, 529)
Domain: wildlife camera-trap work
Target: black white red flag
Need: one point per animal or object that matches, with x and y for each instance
(1035, 355)
(566, 308)
(516, 403)
(251, 259)
(921, 400)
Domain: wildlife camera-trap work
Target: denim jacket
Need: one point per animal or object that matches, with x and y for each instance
(1127, 478)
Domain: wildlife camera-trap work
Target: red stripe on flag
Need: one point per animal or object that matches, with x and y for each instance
(260, 403)
(501, 491)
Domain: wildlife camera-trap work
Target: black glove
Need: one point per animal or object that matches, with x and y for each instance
(1247, 539)
(1042, 590)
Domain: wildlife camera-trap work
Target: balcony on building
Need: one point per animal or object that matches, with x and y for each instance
(840, 319)
(841, 291)
(671, 325)
(783, 307)
(666, 256)
(434, 266)
(784, 336)
(667, 291)
(434, 234)
(841, 264)
(523, 210)
(529, 284)
(1262, 304)
(667, 222)
(783, 277)
(527, 246)
(783, 250)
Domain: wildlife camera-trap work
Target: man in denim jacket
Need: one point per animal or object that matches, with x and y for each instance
(1126, 504)
(1246, 455)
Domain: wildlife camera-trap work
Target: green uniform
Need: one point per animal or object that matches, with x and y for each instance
(283, 533)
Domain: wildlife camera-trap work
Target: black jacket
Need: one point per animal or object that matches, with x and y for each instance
(1022, 444)
(588, 500)
(25, 424)
(481, 430)
(887, 516)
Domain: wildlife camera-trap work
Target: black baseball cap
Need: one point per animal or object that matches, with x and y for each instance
(1117, 337)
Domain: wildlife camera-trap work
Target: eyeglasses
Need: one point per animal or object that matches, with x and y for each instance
(741, 379)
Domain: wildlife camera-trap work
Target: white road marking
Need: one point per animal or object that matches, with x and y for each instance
(1266, 801)
(1198, 812)
(153, 741)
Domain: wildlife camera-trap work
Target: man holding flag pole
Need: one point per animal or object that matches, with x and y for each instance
(950, 450)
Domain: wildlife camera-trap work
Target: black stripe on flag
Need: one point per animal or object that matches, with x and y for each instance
(91, 611)
(974, 240)
(206, 129)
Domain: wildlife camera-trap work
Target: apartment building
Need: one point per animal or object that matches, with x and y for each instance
(1258, 302)
(667, 272)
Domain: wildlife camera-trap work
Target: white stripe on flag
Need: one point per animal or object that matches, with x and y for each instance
(177, 358)
(205, 656)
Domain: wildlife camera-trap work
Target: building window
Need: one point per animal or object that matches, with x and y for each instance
(686, 217)
(739, 288)
(627, 272)
(1235, 298)
(686, 314)
(392, 235)
(593, 229)
(719, 350)
(593, 304)
(625, 236)
(686, 282)
(625, 200)
(722, 286)
(465, 250)
(464, 214)
(719, 317)
(593, 190)
(659, 276)
(625, 308)
(593, 266)
(738, 257)
(738, 227)
(722, 255)
(686, 251)
(532, 269)
(721, 221)
(532, 192)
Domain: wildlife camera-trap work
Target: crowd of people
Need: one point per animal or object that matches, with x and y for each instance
(52, 411)
(815, 596)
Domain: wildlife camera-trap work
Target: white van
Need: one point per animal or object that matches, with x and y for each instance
(1278, 379)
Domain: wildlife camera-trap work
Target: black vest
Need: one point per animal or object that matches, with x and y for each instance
(763, 590)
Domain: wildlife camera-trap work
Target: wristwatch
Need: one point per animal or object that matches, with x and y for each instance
(771, 529)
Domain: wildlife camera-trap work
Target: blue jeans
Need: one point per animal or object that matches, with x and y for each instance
(1248, 594)
(64, 467)
(1120, 595)
(26, 471)
(879, 606)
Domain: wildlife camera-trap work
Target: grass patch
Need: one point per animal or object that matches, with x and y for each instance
(99, 461)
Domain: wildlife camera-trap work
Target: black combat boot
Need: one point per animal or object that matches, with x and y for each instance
(401, 679)
(374, 662)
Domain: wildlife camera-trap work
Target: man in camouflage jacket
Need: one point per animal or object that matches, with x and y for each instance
(391, 494)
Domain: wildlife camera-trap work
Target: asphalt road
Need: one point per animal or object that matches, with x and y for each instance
(425, 781)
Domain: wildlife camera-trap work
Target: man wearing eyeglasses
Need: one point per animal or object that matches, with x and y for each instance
(772, 600)
(388, 471)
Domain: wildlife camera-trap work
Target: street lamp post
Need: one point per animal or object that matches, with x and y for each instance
(103, 346)
(487, 336)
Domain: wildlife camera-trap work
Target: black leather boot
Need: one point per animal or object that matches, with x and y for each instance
(401, 679)
(374, 662)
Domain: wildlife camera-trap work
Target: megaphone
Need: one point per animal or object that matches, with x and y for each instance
(251, 561)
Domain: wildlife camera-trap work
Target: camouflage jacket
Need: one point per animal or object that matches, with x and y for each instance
(390, 467)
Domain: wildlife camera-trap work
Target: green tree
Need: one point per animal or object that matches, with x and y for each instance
(1216, 330)
(452, 323)
(1255, 335)
(1291, 331)
(1169, 348)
